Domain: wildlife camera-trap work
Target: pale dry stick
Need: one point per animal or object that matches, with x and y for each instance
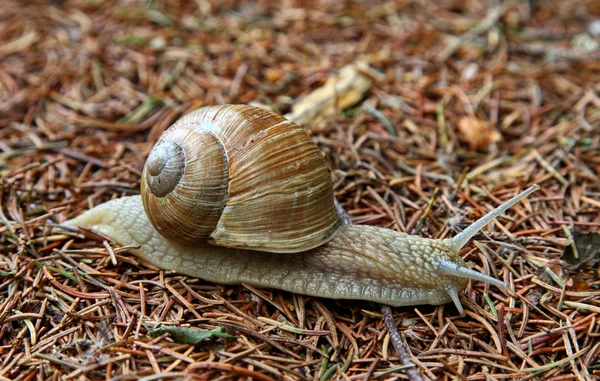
(111, 253)
(19, 44)
(548, 167)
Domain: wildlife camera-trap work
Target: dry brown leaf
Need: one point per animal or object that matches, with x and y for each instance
(478, 133)
(347, 88)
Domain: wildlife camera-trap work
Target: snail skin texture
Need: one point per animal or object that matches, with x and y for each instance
(326, 258)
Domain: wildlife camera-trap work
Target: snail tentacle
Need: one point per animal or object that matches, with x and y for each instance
(461, 239)
(450, 268)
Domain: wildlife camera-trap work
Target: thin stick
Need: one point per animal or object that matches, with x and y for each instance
(401, 348)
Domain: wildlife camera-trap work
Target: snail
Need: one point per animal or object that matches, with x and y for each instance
(237, 194)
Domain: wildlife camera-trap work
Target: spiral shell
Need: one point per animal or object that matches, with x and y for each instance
(241, 177)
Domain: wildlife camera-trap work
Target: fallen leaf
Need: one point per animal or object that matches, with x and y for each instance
(340, 91)
(580, 285)
(478, 133)
(274, 74)
(187, 335)
(587, 245)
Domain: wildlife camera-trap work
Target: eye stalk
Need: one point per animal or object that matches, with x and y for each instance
(450, 268)
(447, 267)
(460, 240)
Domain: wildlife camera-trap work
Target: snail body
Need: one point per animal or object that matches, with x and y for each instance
(270, 218)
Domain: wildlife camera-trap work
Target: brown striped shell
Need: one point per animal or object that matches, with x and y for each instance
(242, 177)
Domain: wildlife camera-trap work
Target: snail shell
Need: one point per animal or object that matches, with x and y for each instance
(240, 177)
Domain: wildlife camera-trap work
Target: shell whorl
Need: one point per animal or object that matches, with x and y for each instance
(165, 165)
(239, 176)
(184, 184)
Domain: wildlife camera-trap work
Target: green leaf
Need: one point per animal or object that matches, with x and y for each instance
(133, 40)
(141, 111)
(159, 18)
(491, 305)
(62, 272)
(190, 335)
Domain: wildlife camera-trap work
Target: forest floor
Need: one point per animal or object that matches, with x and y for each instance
(466, 104)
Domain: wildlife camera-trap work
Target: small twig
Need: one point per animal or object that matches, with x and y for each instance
(401, 348)
(548, 167)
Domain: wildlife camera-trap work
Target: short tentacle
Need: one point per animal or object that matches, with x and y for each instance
(450, 268)
(453, 292)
